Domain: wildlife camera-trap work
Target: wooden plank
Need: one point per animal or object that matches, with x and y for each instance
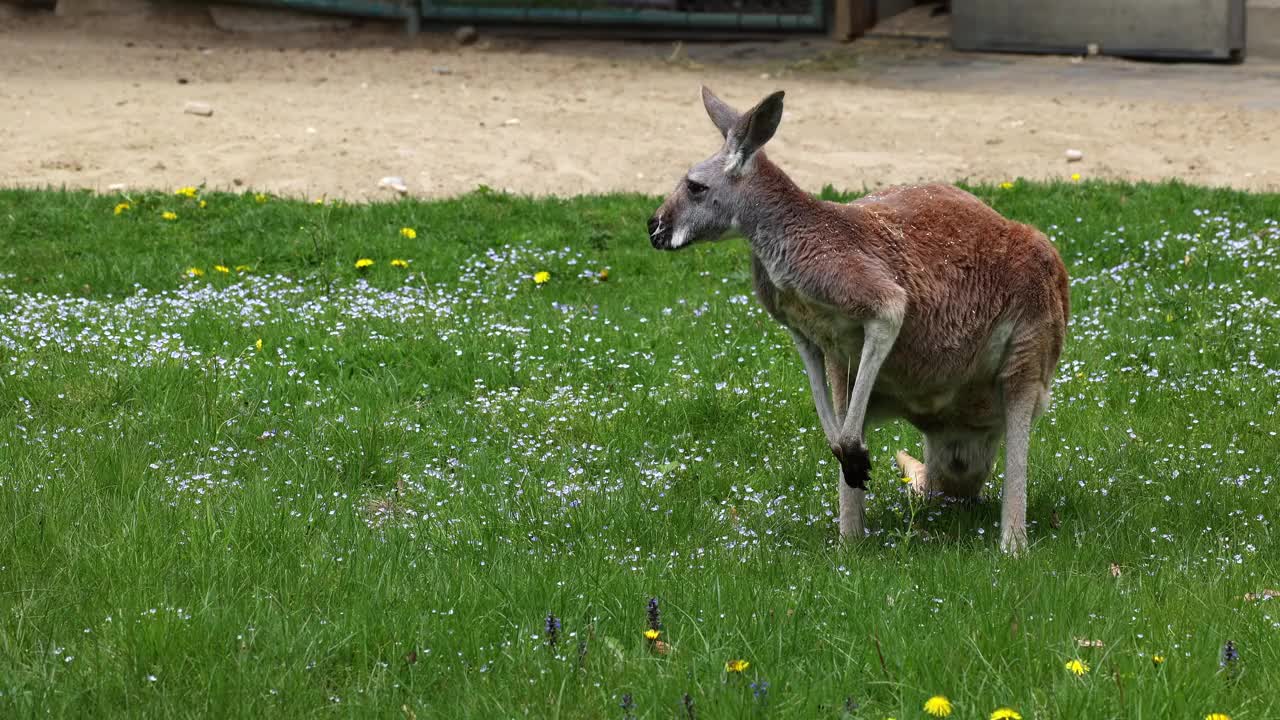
(851, 18)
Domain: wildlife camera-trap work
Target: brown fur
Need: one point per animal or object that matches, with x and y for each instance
(961, 268)
(915, 302)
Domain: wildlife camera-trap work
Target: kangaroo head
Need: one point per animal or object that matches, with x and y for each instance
(708, 199)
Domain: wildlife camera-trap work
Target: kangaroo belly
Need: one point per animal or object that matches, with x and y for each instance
(975, 407)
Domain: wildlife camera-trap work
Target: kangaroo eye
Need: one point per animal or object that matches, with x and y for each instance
(695, 188)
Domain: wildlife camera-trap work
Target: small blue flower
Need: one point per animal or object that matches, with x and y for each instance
(760, 691)
(1229, 654)
(553, 630)
(655, 615)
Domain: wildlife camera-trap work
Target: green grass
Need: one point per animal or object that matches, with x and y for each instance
(373, 515)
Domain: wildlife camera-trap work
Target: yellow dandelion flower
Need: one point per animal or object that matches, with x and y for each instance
(541, 276)
(736, 666)
(258, 345)
(652, 634)
(195, 272)
(259, 198)
(1157, 660)
(204, 204)
(187, 191)
(408, 232)
(121, 207)
(603, 275)
(222, 269)
(1075, 177)
(1217, 716)
(398, 263)
(904, 480)
(1006, 714)
(363, 263)
(938, 706)
(318, 201)
(1077, 667)
(1006, 185)
(169, 215)
(243, 268)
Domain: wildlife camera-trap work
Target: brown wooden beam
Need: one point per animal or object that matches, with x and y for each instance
(852, 18)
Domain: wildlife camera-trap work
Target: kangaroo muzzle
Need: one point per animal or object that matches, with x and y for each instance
(660, 233)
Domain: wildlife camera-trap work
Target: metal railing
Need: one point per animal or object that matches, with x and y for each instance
(755, 15)
(722, 15)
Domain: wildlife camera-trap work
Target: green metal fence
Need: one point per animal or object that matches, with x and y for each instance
(721, 15)
(754, 15)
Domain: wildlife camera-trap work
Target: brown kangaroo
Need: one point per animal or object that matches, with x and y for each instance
(940, 311)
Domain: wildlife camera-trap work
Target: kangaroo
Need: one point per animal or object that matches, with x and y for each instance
(939, 310)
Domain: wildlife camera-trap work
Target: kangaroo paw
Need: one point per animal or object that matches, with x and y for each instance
(855, 465)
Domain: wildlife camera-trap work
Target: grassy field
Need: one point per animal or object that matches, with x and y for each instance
(241, 477)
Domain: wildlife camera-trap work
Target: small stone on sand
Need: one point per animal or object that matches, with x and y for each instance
(394, 183)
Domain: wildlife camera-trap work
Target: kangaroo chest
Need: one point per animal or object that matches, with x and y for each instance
(914, 395)
(829, 329)
(821, 324)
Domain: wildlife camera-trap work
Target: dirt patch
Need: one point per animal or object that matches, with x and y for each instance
(85, 104)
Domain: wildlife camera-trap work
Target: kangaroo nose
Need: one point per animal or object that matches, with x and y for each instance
(659, 234)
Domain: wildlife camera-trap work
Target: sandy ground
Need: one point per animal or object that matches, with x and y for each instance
(90, 104)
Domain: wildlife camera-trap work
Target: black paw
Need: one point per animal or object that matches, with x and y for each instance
(855, 466)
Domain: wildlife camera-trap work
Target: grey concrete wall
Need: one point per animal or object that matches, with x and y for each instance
(1157, 28)
(1264, 28)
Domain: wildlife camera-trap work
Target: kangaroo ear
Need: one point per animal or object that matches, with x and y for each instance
(721, 114)
(753, 130)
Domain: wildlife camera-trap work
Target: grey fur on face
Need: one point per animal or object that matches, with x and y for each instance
(705, 204)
